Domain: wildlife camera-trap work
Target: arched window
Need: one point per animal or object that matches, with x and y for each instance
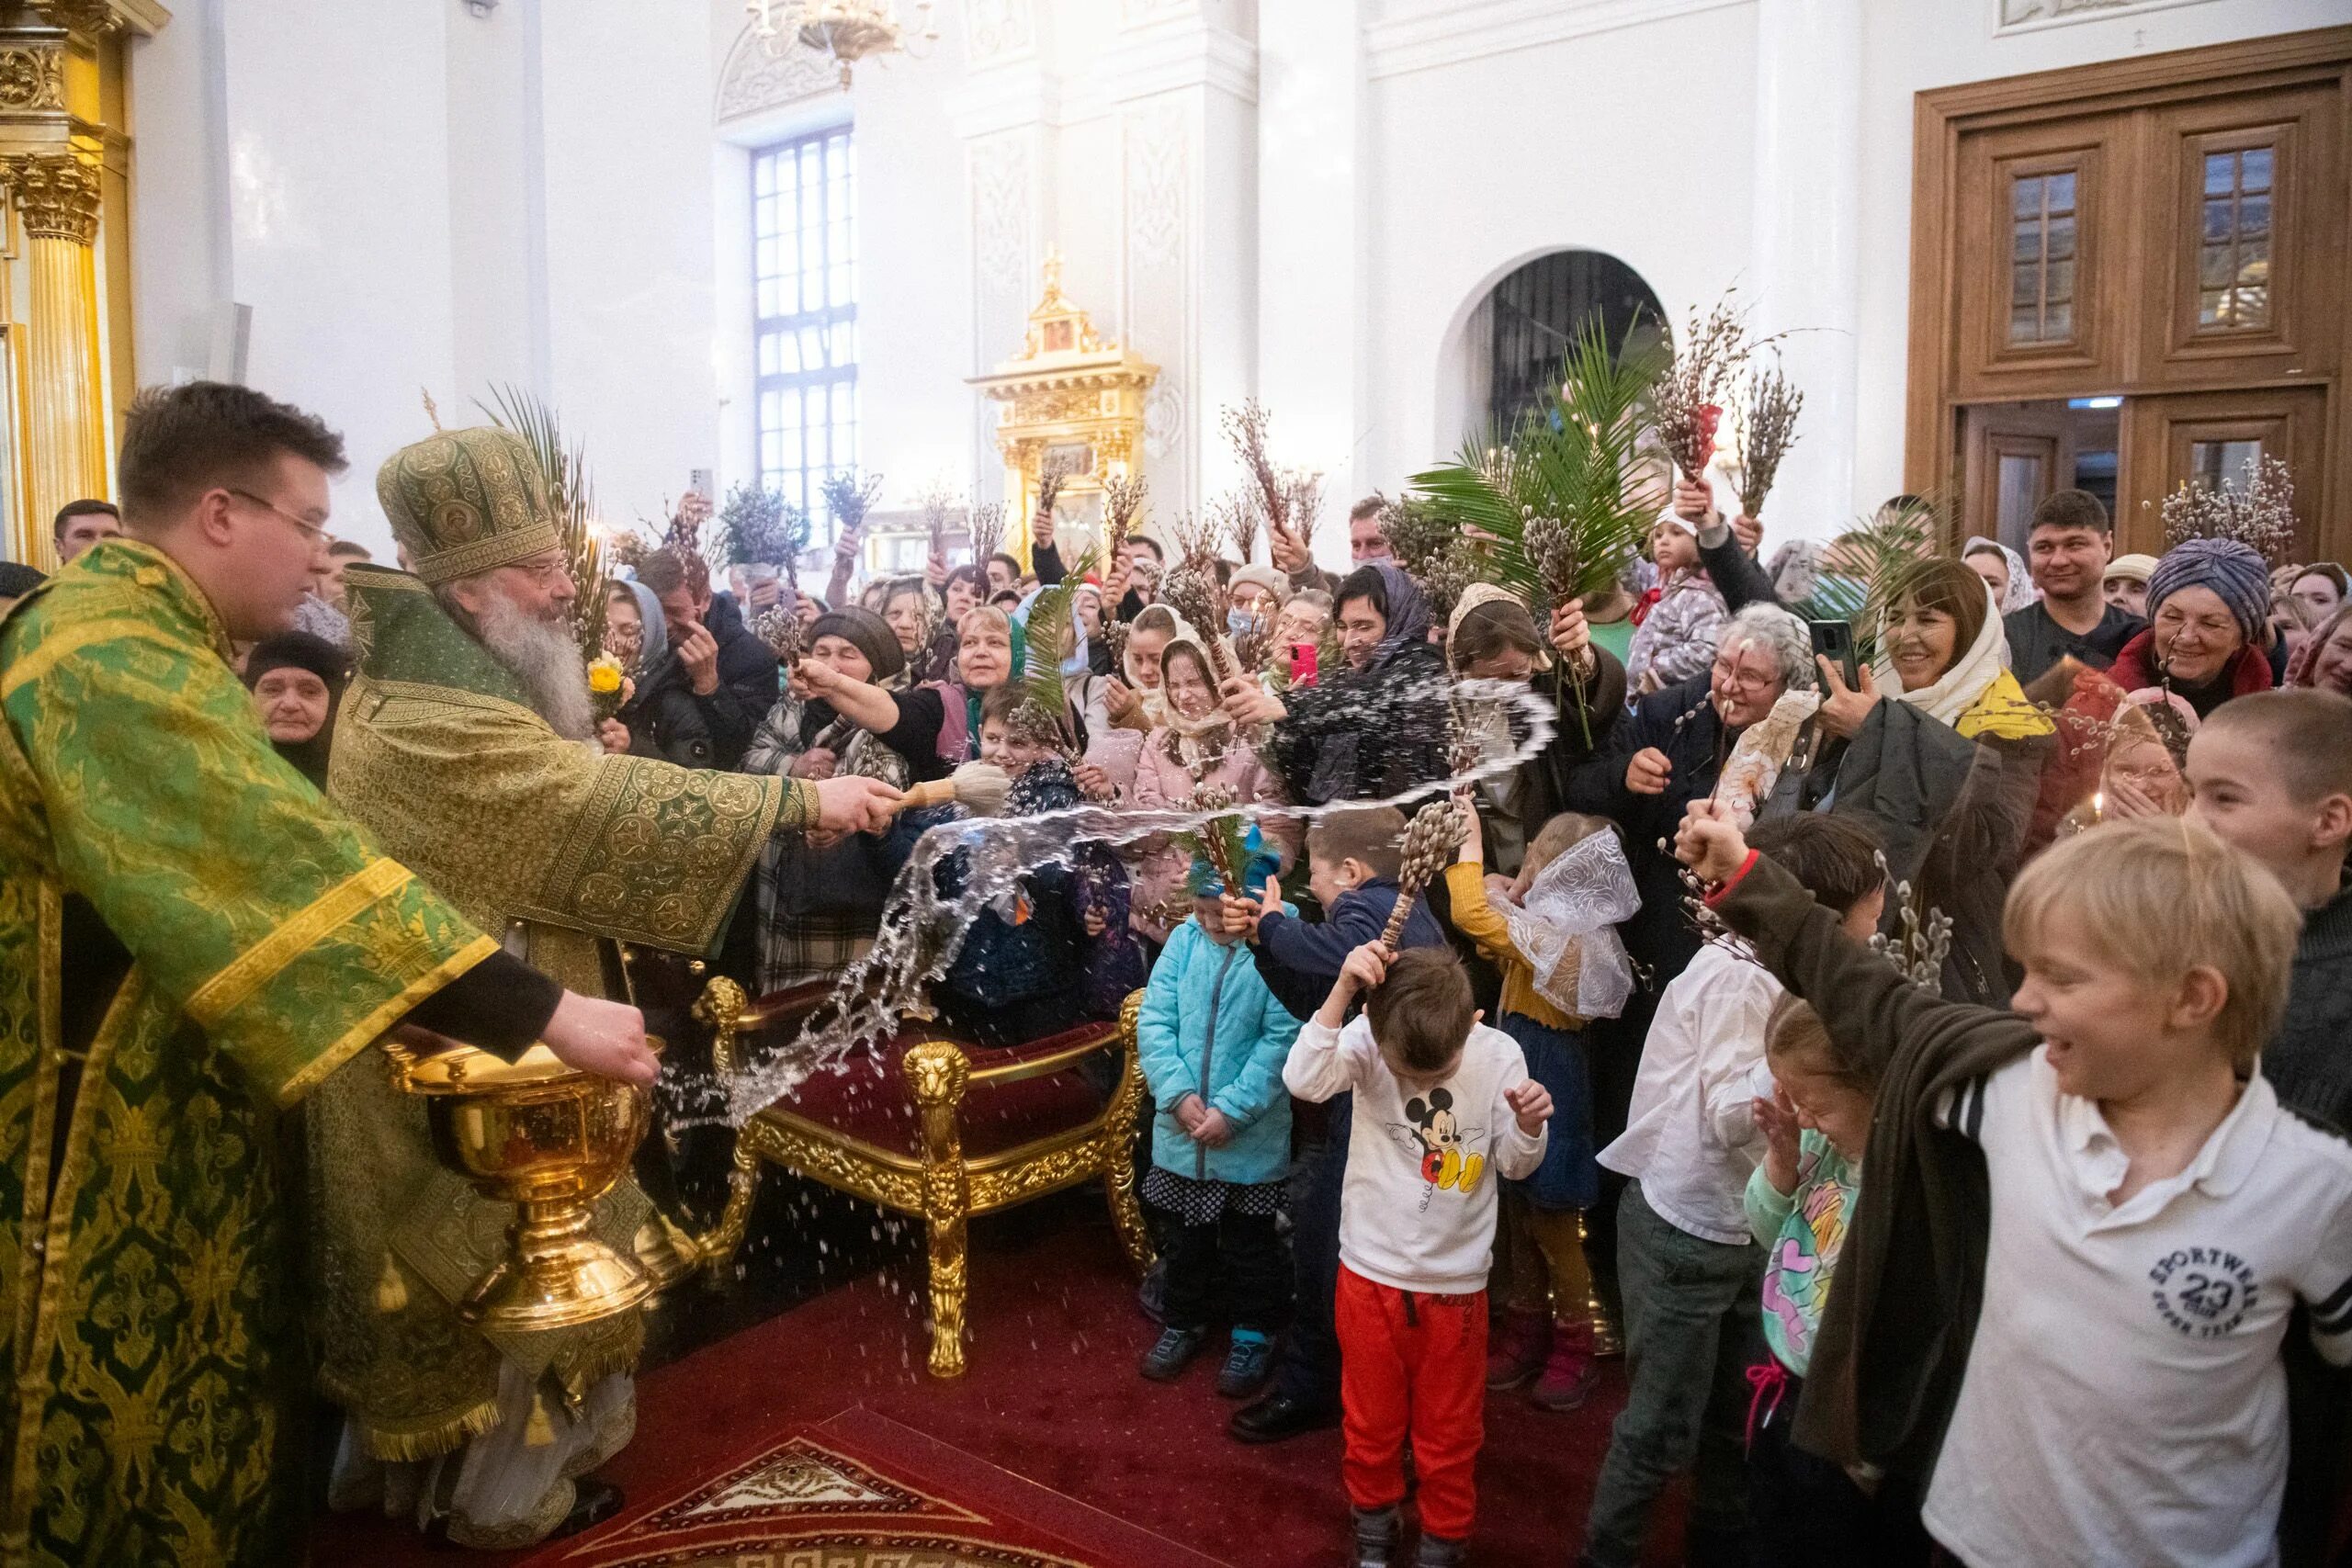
(1538, 311)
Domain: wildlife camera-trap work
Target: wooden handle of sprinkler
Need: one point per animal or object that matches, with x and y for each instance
(923, 797)
(1397, 916)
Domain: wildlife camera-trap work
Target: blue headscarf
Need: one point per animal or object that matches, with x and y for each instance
(2234, 571)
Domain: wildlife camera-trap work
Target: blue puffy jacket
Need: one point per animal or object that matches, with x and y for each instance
(1210, 1027)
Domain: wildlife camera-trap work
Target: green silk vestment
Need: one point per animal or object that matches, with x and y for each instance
(559, 847)
(146, 1264)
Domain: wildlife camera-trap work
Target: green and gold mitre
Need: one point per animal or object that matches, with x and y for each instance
(462, 501)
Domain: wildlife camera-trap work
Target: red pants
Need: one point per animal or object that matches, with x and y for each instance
(1414, 1363)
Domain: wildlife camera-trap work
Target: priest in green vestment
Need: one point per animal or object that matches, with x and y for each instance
(465, 744)
(191, 939)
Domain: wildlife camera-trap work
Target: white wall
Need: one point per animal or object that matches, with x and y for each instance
(411, 197)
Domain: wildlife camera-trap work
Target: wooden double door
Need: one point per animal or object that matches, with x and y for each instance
(2130, 277)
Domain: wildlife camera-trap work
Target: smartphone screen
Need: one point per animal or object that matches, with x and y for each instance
(1834, 640)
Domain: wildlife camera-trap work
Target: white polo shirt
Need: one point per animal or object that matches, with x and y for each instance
(2124, 1401)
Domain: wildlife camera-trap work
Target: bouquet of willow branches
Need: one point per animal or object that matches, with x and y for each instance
(2261, 514)
(939, 506)
(1441, 556)
(759, 529)
(1766, 436)
(1050, 480)
(988, 533)
(1691, 395)
(1922, 938)
(1223, 840)
(1288, 500)
(1554, 505)
(1237, 517)
(1189, 588)
(565, 469)
(1121, 506)
(1436, 830)
(849, 498)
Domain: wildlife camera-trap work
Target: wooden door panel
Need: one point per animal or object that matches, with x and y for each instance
(2039, 303)
(2247, 229)
(2207, 436)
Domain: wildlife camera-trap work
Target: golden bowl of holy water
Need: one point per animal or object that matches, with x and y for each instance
(551, 1140)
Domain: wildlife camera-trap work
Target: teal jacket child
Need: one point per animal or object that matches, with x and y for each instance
(1210, 1027)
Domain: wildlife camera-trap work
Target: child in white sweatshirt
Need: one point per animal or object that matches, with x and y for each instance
(1439, 1099)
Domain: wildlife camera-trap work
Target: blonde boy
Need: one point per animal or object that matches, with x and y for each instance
(2064, 1303)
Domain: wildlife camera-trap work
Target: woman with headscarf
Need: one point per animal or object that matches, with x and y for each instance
(2004, 571)
(1195, 747)
(2209, 634)
(819, 907)
(1131, 708)
(297, 678)
(1376, 728)
(1943, 761)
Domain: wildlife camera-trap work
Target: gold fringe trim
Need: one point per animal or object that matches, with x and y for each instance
(407, 1447)
(576, 1375)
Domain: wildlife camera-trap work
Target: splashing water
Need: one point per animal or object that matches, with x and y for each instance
(922, 929)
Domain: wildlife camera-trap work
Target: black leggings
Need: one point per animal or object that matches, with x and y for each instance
(1803, 1511)
(1247, 1251)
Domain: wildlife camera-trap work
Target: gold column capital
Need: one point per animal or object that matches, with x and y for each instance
(57, 193)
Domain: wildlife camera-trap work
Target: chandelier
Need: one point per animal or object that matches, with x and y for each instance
(844, 31)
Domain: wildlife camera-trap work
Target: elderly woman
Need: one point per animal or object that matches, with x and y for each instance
(1376, 728)
(2208, 633)
(295, 680)
(1492, 637)
(818, 905)
(1943, 761)
(936, 726)
(1670, 750)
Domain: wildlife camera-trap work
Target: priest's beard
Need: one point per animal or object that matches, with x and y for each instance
(543, 656)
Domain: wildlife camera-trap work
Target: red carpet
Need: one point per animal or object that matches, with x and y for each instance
(1052, 1399)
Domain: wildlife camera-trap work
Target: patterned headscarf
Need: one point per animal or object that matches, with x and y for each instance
(2234, 571)
(464, 501)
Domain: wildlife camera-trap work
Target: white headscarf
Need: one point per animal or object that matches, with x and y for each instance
(2021, 591)
(1956, 690)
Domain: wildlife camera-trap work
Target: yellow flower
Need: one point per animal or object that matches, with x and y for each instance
(605, 676)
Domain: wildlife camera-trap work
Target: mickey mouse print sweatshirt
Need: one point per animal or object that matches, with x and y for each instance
(1416, 1210)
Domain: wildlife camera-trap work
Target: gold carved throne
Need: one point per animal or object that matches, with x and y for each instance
(940, 1130)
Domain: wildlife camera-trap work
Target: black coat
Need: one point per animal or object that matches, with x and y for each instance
(1366, 734)
(667, 718)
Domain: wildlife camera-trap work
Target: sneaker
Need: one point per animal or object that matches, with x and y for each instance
(1436, 1552)
(1569, 1371)
(1522, 1341)
(1166, 1360)
(1247, 1367)
(1377, 1533)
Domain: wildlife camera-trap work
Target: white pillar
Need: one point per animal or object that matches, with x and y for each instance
(1311, 238)
(1807, 275)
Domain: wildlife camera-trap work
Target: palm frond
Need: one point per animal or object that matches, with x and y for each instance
(1574, 463)
(1861, 567)
(565, 470)
(1052, 616)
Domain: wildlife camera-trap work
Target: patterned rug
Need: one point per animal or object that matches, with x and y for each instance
(860, 1491)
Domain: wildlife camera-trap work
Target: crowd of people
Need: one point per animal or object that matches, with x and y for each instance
(1925, 1071)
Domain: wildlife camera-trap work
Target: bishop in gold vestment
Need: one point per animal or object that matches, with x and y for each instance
(443, 751)
(190, 939)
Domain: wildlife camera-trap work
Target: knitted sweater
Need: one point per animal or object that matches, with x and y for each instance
(2309, 1061)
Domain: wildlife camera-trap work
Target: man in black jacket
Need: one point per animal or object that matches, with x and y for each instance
(701, 705)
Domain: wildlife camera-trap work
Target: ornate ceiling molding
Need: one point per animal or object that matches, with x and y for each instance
(753, 81)
(2031, 15)
(98, 18)
(1451, 33)
(999, 32)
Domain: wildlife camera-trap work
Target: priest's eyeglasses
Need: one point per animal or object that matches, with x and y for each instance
(317, 531)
